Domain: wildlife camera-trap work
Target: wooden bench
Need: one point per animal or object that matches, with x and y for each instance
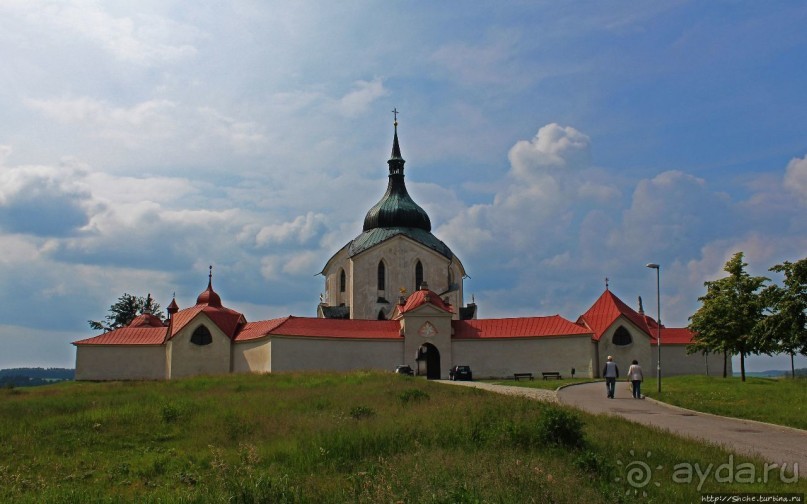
(518, 376)
(551, 374)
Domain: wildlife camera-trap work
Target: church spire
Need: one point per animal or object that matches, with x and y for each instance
(396, 161)
(396, 209)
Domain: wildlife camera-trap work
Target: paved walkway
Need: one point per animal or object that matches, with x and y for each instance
(532, 393)
(771, 442)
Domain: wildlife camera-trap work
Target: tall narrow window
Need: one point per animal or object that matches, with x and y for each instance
(418, 275)
(382, 275)
(342, 281)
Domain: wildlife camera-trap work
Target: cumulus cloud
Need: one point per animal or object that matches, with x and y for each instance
(151, 119)
(141, 39)
(299, 231)
(550, 183)
(796, 177)
(43, 200)
(359, 100)
(554, 146)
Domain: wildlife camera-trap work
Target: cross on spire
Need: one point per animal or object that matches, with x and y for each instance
(395, 114)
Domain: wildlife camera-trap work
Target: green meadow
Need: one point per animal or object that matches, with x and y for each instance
(361, 437)
(781, 401)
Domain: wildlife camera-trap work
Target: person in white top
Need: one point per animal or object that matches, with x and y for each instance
(635, 376)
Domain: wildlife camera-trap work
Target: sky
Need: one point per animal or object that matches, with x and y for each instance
(553, 144)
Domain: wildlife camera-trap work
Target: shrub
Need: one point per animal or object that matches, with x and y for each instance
(593, 464)
(413, 395)
(359, 412)
(560, 427)
(170, 413)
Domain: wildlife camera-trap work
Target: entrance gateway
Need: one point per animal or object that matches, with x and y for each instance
(428, 361)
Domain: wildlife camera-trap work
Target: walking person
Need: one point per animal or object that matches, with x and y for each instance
(636, 377)
(611, 373)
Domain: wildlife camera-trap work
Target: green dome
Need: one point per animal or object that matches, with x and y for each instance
(396, 209)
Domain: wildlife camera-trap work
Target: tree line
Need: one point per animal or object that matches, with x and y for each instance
(746, 315)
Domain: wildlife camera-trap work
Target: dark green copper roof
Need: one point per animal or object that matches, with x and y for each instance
(396, 214)
(375, 236)
(396, 208)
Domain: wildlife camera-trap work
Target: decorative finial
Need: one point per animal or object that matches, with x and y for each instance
(606, 283)
(395, 114)
(210, 275)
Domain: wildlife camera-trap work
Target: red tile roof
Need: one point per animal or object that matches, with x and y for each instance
(524, 327)
(673, 336)
(607, 309)
(225, 319)
(259, 329)
(128, 336)
(338, 328)
(421, 297)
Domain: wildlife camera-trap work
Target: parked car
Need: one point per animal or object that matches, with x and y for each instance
(404, 370)
(460, 373)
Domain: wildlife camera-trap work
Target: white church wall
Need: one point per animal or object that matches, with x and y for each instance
(639, 349)
(333, 294)
(332, 354)
(502, 357)
(400, 254)
(252, 356)
(121, 362)
(676, 361)
(189, 359)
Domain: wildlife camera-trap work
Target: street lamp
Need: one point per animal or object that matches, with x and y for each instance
(658, 320)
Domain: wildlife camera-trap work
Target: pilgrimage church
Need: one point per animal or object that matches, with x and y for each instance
(394, 295)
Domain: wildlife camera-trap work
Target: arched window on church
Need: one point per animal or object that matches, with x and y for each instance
(201, 336)
(342, 280)
(622, 337)
(382, 276)
(418, 275)
(381, 315)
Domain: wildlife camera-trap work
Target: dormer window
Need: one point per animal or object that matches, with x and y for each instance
(201, 336)
(622, 337)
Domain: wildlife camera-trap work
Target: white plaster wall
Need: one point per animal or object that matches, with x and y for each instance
(676, 361)
(400, 254)
(639, 349)
(188, 359)
(252, 356)
(121, 362)
(338, 262)
(324, 354)
(412, 323)
(501, 357)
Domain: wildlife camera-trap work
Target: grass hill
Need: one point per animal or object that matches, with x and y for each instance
(358, 437)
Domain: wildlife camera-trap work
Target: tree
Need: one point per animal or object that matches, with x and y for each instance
(124, 310)
(729, 313)
(785, 328)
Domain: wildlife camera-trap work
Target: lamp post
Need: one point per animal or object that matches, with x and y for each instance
(658, 320)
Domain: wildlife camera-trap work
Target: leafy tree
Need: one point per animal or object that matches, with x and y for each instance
(785, 328)
(124, 310)
(729, 312)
